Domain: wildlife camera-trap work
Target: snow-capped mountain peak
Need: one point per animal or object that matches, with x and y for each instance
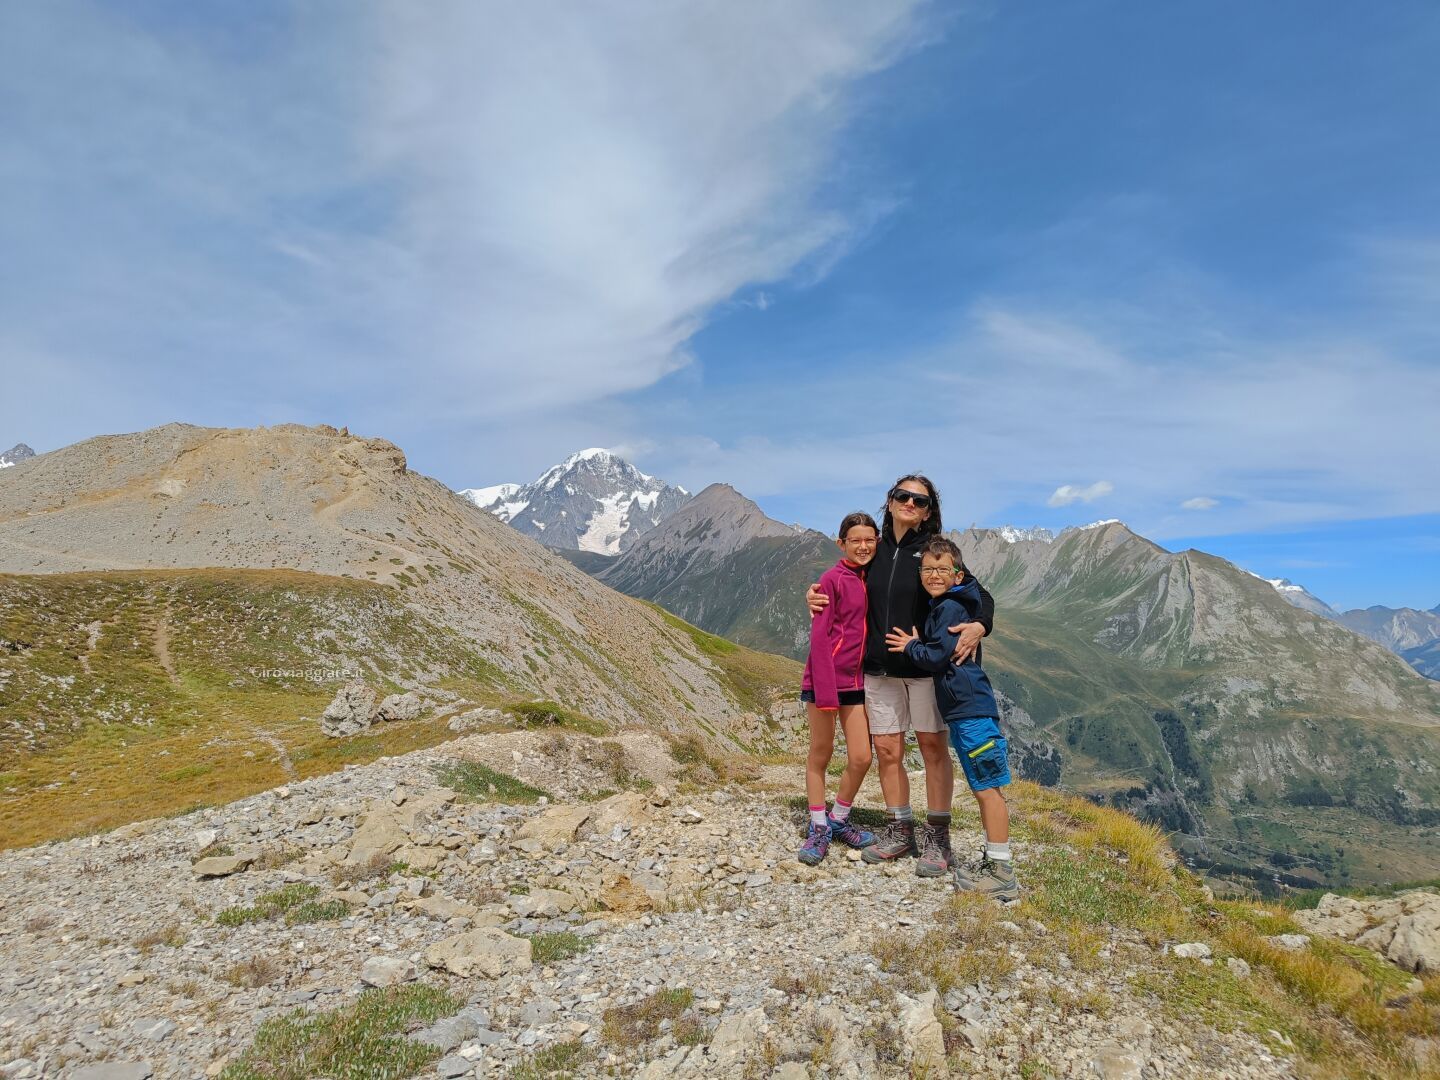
(594, 500)
(15, 455)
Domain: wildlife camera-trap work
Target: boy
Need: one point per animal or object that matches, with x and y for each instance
(967, 702)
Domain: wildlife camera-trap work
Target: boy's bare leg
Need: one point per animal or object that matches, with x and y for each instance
(857, 751)
(939, 770)
(822, 748)
(994, 815)
(890, 763)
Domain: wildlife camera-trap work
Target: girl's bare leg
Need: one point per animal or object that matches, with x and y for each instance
(857, 751)
(822, 748)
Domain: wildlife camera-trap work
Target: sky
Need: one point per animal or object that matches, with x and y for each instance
(1173, 264)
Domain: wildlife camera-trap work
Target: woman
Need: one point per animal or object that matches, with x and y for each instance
(899, 696)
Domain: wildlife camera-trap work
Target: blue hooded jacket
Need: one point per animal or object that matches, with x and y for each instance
(962, 691)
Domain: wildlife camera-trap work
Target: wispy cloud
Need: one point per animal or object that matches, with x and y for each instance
(1066, 494)
(461, 214)
(1200, 502)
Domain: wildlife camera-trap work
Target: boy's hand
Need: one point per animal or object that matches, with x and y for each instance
(816, 600)
(970, 635)
(897, 639)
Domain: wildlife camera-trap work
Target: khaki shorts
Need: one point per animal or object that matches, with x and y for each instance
(895, 706)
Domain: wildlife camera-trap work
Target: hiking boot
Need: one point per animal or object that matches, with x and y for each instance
(895, 841)
(850, 834)
(816, 846)
(936, 858)
(989, 877)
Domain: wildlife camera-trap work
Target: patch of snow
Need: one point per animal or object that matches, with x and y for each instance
(498, 499)
(1012, 535)
(6, 464)
(606, 526)
(1100, 524)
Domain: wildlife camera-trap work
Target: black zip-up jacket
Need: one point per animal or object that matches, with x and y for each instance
(896, 599)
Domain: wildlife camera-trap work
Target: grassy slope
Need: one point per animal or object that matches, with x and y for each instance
(126, 695)
(177, 703)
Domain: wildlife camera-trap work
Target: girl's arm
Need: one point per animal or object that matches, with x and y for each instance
(824, 643)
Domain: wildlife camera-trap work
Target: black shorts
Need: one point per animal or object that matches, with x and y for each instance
(847, 697)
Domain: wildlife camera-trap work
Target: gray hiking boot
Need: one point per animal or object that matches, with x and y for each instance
(935, 854)
(989, 877)
(895, 841)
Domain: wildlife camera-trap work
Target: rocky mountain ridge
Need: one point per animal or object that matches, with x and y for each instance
(592, 501)
(182, 588)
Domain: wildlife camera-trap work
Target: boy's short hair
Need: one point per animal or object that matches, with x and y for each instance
(940, 546)
(857, 518)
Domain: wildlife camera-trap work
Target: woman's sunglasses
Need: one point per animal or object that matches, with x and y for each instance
(900, 495)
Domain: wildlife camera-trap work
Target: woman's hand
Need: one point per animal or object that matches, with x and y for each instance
(897, 639)
(816, 600)
(970, 635)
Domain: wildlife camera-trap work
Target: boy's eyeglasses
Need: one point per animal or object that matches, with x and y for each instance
(900, 495)
(938, 571)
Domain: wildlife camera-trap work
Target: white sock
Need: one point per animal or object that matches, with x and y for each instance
(842, 810)
(817, 815)
(999, 852)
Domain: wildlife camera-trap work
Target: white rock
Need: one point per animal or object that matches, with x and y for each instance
(1193, 950)
(485, 951)
(924, 1038)
(388, 971)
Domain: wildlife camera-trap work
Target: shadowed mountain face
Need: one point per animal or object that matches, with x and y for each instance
(720, 562)
(1272, 741)
(1413, 634)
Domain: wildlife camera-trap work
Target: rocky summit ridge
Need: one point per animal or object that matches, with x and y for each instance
(495, 908)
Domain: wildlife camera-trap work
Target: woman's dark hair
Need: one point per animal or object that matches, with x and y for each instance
(931, 525)
(857, 518)
(945, 548)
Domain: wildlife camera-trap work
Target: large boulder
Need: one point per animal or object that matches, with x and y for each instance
(557, 826)
(407, 706)
(628, 808)
(486, 951)
(1404, 928)
(349, 712)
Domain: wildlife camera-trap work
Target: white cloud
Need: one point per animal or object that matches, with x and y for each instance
(411, 218)
(1066, 494)
(1200, 502)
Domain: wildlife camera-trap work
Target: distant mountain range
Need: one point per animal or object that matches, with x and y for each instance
(1272, 739)
(16, 454)
(1411, 634)
(592, 501)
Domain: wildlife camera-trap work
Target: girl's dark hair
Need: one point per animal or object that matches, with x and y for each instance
(857, 518)
(931, 525)
(946, 548)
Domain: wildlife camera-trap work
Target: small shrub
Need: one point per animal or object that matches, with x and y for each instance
(477, 781)
(315, 911)
(259, 970)
(350, 876)
(544, 714)
(630, 1025)
(216, 848)
(166, 934)
(269, 905)
(559, 1060)
(552, 948)
(354, 1043)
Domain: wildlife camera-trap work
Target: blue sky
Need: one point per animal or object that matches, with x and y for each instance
(1174, 265)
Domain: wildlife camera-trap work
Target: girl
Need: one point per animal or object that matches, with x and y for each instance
(833, 684)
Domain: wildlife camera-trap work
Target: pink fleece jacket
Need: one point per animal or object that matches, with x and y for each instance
(837, 636)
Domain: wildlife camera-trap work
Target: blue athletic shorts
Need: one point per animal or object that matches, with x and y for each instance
(981, 750)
